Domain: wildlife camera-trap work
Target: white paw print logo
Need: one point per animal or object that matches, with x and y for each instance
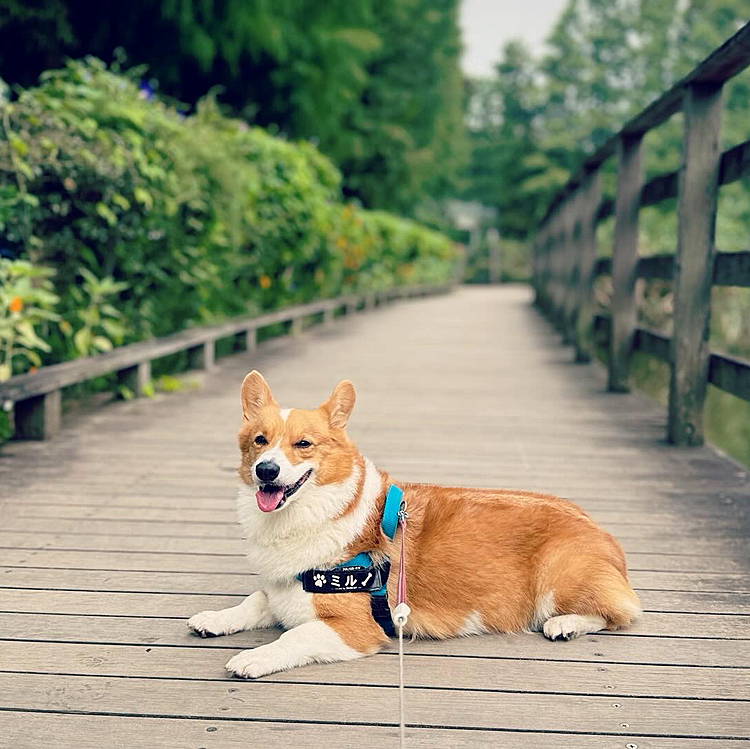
(318, 580)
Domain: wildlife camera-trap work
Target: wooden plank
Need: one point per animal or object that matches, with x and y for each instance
(83, 732)
(238, 565)
(540, 677)
(136, 377)
(694, 269)
(653, 343)
(598, 648)
(731, 374)
(178, 606)
(572, 258)
(591, 197)
(202, 356)
(82, 530)
(654, 540)
(617, 508)
(656, 266)
(253, 700)
(733, 164)
(624, 262)
(686, 587)
(732, 268)
(38, 418)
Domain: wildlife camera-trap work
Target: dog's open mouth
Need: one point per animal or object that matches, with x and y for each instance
(271, 497)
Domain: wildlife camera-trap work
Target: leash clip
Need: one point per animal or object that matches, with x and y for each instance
(402, 514)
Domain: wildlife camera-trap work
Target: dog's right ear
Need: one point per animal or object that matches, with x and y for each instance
(255, 394)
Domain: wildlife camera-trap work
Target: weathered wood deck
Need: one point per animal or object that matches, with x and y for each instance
(115, 532)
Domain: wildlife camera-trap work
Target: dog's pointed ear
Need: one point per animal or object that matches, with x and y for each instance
(255, 394)
(339, 406)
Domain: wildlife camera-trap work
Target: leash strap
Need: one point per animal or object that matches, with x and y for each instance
(401, 616)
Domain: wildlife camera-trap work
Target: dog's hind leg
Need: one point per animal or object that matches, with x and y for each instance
(588, 600)
(569, 626)
(252, 613)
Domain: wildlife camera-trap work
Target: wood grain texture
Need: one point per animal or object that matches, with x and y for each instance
(624, 261)
(696, 211)
(262, 700)
(26, 730)
(116, 532)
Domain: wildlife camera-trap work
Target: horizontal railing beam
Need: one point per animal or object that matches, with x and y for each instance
(130, 361)
(730, 268)
(728, 373)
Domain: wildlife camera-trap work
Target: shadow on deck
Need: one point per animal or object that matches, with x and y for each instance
(123, 526)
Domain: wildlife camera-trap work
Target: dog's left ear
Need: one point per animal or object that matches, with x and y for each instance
(339, 406)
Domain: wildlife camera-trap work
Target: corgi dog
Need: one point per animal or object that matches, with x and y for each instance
(477, 560)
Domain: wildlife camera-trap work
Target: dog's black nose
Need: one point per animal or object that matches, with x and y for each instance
(267, 471)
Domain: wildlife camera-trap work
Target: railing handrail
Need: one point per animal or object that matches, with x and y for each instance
(565, 253)
(36, 395)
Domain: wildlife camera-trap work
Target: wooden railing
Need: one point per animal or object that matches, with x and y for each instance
(565, 249)
(37, 397)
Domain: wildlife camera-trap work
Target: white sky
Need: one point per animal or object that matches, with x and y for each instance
(486, 25)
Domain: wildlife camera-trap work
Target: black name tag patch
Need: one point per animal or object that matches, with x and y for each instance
(343, 580)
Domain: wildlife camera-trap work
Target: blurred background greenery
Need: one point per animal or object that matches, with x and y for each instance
(169, 164)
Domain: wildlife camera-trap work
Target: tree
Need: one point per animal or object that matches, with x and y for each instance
(374, 83)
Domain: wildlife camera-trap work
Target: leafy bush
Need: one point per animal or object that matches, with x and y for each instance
(26, 301)
(183, 220)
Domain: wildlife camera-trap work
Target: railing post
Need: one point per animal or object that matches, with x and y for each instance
(572, 267)
(202, 356)
(554, 266)
(251, 339)
(591, 197)
(38, 418)
(135, 378)
(295, 328)
(625, 260)
(698, 189)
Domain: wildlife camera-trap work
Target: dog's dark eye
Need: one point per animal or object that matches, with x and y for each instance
(303, 444)
(260, 440)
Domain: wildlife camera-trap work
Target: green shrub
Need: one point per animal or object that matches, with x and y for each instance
(185, 220)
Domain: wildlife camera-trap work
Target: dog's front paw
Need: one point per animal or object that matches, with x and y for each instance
(211, 624)
(250, 664)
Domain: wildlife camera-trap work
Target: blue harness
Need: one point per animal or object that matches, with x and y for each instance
(359, 574)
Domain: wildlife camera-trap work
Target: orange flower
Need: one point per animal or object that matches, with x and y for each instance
(265, 282)
(16, 304)
(32, 369)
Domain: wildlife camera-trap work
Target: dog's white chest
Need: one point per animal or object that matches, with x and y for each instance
(290, 604)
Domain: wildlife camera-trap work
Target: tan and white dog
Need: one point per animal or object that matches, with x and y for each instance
(478, 560)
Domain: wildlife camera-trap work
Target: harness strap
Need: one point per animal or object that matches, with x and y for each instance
(392, 505)
(379, 607)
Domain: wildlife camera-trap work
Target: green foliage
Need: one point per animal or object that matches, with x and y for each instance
(155, 222)
(101, 324)
(375, 83)
(26, 302)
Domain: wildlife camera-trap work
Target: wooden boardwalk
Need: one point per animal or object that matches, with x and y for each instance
(115, 532)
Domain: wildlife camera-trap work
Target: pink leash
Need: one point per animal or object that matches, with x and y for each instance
(403, 516)
(400, 617)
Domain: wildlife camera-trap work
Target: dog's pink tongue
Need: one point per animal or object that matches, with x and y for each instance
(269, 501)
